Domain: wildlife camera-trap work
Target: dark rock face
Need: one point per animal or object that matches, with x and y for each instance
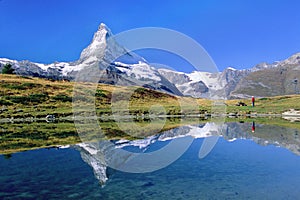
(173, 77)
(199, 86)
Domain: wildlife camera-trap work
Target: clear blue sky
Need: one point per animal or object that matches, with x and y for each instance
(237, 33)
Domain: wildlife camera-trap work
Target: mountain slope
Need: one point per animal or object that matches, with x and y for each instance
(205, 84)
(117, 66)
(279, 78)
(108, 56)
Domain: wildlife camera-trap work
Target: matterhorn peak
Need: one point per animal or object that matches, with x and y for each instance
(102, 26)
(102, 31)
(99, 43)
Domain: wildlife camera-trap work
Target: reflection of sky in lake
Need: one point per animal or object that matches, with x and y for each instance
(241, 169)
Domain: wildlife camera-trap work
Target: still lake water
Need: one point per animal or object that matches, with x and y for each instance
(242, 165)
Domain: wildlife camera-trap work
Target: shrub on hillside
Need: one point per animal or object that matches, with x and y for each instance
(32, 98)
(5, 103)
(38, 98)
(63, 98)
(7, 69)
(100, 93)
(18, 99)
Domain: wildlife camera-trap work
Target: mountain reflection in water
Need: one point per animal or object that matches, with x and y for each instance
(99, 155)
(245, 163)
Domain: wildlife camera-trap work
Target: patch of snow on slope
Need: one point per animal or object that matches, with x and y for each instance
(231, 68)
(64, 66)
(140, 70)
(43, 66)
(67, 68)
(121, 65)
(207, 78)
(171, 71)
(5, 60)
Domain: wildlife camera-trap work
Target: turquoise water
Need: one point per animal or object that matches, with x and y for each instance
(241, 169)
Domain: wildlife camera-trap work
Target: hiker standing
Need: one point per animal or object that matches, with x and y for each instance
(253, 101)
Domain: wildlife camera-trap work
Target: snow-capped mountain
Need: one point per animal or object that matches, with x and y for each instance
(205, 84)
(117, 66)
(262, 80)
(57, 70)
(120, 67)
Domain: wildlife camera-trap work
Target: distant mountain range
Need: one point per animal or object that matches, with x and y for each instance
(278, 78)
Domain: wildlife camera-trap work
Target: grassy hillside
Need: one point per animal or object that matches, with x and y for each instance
(267, 105)
(23, 97)
(33, 97)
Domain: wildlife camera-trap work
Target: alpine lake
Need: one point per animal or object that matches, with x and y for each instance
(240, 158)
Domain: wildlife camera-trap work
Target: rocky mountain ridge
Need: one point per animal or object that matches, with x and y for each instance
(120, 67)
